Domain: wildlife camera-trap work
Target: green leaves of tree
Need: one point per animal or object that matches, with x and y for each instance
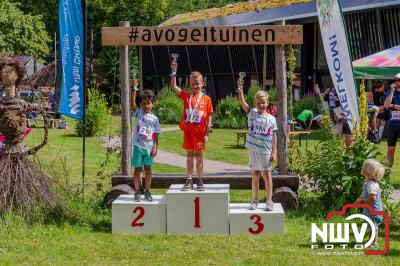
(20, 33)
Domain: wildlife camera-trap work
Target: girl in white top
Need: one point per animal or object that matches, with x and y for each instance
(261, 143)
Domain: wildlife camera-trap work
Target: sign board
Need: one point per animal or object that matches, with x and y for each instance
(227, 35)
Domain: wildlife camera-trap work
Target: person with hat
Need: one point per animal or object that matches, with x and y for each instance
(392, 103)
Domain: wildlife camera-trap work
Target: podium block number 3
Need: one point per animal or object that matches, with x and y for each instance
(257, 221)
(197, 212)
(140, 211)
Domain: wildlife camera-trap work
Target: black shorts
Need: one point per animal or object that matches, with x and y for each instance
(383, 116)
(346, 128)
(393, 133)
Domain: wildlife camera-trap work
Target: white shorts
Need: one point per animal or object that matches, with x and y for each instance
(259, 161)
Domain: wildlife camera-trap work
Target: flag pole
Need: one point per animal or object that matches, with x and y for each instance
(84, 102)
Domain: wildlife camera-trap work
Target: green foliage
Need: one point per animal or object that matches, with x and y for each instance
(273, 95)
(20, 33)
(291, 60)
(98, 115)
(393, 209)
(168, 108)
(323, 167)
(229, 114)
(177, 7)
(308, 102)
(334, 171)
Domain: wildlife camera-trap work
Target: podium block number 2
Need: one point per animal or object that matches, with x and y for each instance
(197, 212)
(140, 211)
(259, 225)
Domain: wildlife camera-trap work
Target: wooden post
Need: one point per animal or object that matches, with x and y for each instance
(281, 85)
(264, 82)
(126, 148)
(140, 59)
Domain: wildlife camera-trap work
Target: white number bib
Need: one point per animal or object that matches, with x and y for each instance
(260, 130)
(146, 132)
(196, 116)
(396, 115)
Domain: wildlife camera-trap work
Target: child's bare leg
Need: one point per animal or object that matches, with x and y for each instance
(376, 237)
(136, 178)
(189, 163)
(268, 184)
(199, 163)
(255, 184)
(147, 177)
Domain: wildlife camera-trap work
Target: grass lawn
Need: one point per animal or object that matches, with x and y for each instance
(87, 244)
(87, 240)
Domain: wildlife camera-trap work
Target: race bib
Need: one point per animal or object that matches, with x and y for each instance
(146, 132)
(196, 116)
(262, 130)
(396, 115)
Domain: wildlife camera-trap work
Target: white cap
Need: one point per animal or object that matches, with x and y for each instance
(397, 76)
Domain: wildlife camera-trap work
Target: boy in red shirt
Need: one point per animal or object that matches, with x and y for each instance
(195, 124)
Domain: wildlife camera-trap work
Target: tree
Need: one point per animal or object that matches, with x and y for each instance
(20, 33)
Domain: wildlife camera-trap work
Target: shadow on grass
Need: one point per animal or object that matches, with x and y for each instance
(234, 147)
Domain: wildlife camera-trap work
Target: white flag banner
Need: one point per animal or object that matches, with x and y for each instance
(338, 57)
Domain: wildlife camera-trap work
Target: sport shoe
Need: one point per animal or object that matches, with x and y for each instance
(188, 185)
(269, 205)
(147, 196)
(253, 205)
(137, 195)
(200, 185)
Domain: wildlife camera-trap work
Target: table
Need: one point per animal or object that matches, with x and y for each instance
(300, 134)
(240, 134)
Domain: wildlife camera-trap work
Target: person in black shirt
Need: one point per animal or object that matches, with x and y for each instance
(379, 96)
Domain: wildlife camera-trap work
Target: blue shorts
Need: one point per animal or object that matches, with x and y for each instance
(141, 157)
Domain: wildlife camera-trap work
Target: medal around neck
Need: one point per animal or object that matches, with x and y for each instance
(174, 60)
(242, 75)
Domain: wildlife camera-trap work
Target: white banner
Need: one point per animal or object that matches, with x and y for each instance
(338, 57)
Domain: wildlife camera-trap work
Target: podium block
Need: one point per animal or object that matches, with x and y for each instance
(129, 216)
(256, 222)
(198, 212)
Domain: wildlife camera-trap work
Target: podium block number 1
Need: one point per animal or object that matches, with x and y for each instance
(140, 211)
(197, 212)
(257, 221)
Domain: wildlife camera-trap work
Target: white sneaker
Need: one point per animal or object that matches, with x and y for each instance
(269, 205)
(253, 205)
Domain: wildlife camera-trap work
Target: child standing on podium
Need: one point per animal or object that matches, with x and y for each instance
(145, 141)
(195, 124)
(261, 143)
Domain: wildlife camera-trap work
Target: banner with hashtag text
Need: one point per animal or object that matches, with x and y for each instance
(235, 35)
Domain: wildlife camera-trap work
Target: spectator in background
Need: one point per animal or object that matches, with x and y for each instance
(346, 131)
(53, 103)
(305, 119)
(392, 103)
(379, 99)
